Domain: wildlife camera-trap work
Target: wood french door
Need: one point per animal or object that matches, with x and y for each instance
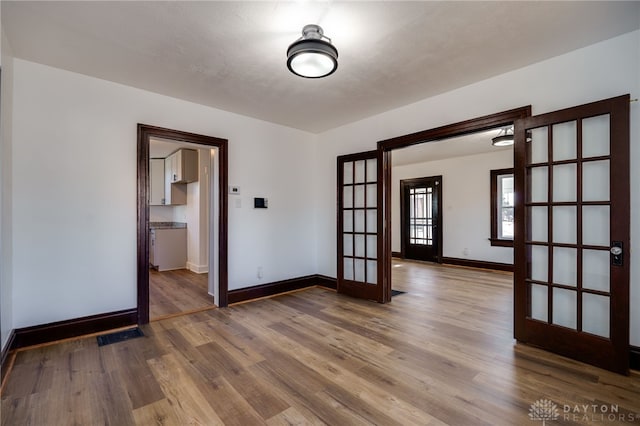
(359, 269)
(420, 218)
(572, 232)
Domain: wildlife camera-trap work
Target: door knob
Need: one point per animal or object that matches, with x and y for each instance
(616, 253)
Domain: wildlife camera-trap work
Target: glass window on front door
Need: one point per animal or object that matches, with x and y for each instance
(421, 216)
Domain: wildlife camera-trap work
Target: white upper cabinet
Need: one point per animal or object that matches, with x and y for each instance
(168, 177)
(183, 166)
(156, 182)
(174, 193)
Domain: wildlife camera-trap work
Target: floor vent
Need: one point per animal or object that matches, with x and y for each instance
(119, 336)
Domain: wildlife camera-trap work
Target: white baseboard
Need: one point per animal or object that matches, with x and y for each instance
(198, 269)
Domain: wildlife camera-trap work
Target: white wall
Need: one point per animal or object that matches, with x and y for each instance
(74, 204)
(603, 70)
(466, 212)
(166, 214)
(202, 260)
(192, 211)
(6, 111)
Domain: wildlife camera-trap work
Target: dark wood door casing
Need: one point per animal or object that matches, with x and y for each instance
(145, 132)
(434, 253)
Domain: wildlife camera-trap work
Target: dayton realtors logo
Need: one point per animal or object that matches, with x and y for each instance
(545, 410)
(597, 413)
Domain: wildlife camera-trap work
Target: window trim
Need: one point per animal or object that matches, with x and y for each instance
(495, 241)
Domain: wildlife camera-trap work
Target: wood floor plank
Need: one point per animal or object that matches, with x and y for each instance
(228, 404)
(159, 413)
(139, 381)
(320, 345)
(173, 292)
(441, 354)
(293, 417)
(38, 376)
(341, 376)
(189, 405)
(194, 357)
(237, 346)
(258, 394)
(339, 397)
(296, 394)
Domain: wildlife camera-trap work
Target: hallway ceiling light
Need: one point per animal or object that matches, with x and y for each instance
(312, 55)
(504, 138)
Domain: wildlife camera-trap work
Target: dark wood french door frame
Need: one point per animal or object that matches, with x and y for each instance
(348, 284)
(404, 226)
(385, 148)
(145, 132)
(612, 352)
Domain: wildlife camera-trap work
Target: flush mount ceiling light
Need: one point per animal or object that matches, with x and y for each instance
(504, 138)
(312, 55)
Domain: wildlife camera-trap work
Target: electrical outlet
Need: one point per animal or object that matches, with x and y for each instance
(465, 251)
(259, 272)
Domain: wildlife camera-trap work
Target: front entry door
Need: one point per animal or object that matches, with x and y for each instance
(420, 223)
(572, 232)
(359, 266)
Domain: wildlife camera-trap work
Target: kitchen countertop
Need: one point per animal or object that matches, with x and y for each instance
(167, 225)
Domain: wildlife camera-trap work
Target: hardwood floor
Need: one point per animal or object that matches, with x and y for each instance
(174, 292)
(441, 354)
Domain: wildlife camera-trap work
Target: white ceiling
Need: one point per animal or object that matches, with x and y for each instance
(475, 143)
(231, 55)
(162, 148)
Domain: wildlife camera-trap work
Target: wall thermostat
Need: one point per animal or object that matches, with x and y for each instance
(260, 203)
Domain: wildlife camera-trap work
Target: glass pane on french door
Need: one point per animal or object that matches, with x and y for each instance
(568, 200)
(359, 192)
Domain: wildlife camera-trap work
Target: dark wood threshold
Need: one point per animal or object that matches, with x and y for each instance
(75, 327)
(6, 355)
(478, 264)
(278, 287)
(397, 254)
(634, 357)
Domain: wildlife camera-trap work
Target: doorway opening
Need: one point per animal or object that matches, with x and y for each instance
(419, 148)
(180, 208)
(469, 206)
(182, 222)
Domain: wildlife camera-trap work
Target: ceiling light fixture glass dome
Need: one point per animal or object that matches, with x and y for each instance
(504, 138)
(312, 55)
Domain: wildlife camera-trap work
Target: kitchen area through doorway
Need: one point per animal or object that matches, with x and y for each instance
(179, 206)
